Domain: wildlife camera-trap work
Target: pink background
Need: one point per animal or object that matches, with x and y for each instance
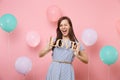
(101, 15)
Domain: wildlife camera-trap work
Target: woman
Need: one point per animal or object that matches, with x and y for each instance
(65, 48)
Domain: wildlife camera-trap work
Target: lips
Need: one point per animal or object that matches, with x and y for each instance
(64, 32)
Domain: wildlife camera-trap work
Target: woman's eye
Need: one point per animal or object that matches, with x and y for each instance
(65, 25)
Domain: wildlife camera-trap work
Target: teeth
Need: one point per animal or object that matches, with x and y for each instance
(64, 30)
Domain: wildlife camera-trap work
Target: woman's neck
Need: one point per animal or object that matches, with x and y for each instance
(65, 38)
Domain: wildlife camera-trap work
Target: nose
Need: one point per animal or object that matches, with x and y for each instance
(63, 26)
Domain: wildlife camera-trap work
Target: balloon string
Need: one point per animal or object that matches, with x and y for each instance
(89, 68)
(24, 77)
(108, 72)
(8, 45)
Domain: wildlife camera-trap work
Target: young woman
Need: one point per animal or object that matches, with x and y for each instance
(64, 48)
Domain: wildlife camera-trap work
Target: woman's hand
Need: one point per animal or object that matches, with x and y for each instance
(50, 44)
(80, 54)
(76, 49)
(47, 48)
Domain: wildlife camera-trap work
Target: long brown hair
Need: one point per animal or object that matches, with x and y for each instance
(71, 34)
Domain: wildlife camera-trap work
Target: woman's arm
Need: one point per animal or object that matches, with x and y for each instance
(43, 52)
(81, 54)
(48, 48)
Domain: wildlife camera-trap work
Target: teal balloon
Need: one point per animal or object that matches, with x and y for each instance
(0, 23)
(8, 22)
(109, 55)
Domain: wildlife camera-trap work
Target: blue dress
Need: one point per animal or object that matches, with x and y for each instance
(59, 70)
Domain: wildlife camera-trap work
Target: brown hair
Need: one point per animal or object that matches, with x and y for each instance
(71, 34)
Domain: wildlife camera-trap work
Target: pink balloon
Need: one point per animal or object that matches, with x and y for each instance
(54, 13)
(33, 39)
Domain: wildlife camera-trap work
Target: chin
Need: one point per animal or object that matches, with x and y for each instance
(65, 35)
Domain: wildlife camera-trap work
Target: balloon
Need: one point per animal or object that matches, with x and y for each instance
(54, 13)
(108, 55)
(0, 23)
(8, 22)
(89, 37)
(33, 39)
(23, 65)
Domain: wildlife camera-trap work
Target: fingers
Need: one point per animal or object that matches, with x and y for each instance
(78, 46)
(76, 53)
(51, 43)
(50, 38)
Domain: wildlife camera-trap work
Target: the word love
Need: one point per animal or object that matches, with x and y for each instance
(65, 44)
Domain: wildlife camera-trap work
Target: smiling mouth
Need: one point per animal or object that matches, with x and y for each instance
(64, 31)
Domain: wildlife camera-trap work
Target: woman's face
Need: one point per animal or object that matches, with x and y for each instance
(64, 27)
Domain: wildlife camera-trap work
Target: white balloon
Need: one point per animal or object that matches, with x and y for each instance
(89, 37)
(23, 65)
(33, 39)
